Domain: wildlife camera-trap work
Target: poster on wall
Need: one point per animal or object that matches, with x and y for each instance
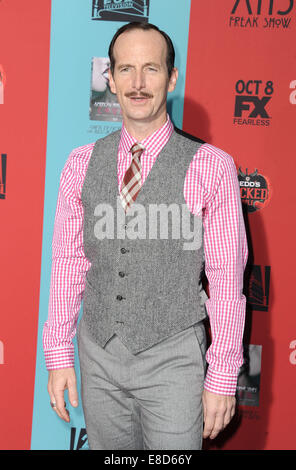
(103, 103)
(248, 384)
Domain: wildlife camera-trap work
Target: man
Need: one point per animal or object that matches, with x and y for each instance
(141, 339)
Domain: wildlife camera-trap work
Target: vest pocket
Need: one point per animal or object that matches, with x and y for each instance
(90, 294)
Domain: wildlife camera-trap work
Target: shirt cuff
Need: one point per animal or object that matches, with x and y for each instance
(220, 383)
(59, 358)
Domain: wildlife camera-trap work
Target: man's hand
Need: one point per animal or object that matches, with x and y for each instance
(58, 381)
(218, 412)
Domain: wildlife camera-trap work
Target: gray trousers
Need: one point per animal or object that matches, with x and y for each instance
(151, 400)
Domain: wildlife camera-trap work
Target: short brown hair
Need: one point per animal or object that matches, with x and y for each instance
(170, 59)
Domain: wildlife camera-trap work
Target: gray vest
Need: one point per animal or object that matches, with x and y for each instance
(144, 283)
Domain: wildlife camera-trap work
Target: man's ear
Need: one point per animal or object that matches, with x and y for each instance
(173, 79)
(111, 82)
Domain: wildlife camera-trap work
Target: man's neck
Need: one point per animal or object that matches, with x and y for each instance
(141, 130)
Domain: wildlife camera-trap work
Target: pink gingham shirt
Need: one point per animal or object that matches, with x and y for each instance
(211, 190)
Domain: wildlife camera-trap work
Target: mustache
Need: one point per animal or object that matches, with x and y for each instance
(141, 94)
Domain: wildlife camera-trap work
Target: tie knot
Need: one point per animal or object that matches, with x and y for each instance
(136, 150)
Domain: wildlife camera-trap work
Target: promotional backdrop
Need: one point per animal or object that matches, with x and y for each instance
(237, 91)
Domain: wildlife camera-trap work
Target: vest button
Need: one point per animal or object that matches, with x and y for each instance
(119, 297)
(123, 250)
(121, 274)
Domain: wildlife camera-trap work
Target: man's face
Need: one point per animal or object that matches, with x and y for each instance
(140, 78)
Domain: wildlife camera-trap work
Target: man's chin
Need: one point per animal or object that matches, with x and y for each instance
(139, 115)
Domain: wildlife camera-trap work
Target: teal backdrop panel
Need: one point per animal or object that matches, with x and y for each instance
(76, 38)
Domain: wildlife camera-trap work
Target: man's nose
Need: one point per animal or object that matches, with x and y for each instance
(139, 80)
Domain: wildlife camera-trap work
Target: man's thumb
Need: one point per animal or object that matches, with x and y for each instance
(73, 395)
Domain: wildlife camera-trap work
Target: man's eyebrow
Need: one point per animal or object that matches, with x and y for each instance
(147, 64)
(154, 64)
(124, 65)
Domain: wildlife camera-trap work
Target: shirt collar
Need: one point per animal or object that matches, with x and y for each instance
(153, 143)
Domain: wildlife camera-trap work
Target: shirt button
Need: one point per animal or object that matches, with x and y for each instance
(124, 250)
(119, 297)
(121, 274)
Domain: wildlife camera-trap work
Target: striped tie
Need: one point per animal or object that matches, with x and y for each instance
(131, 184)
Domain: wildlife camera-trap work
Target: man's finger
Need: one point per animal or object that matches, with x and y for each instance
(53, 404)
(62, 413)
(72, 393)
(230, 412)
(209, 422)
(227, 418)
(60, 405)
(218, 426)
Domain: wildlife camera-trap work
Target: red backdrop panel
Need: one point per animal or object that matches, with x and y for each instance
(24, 56)
(229, 58)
